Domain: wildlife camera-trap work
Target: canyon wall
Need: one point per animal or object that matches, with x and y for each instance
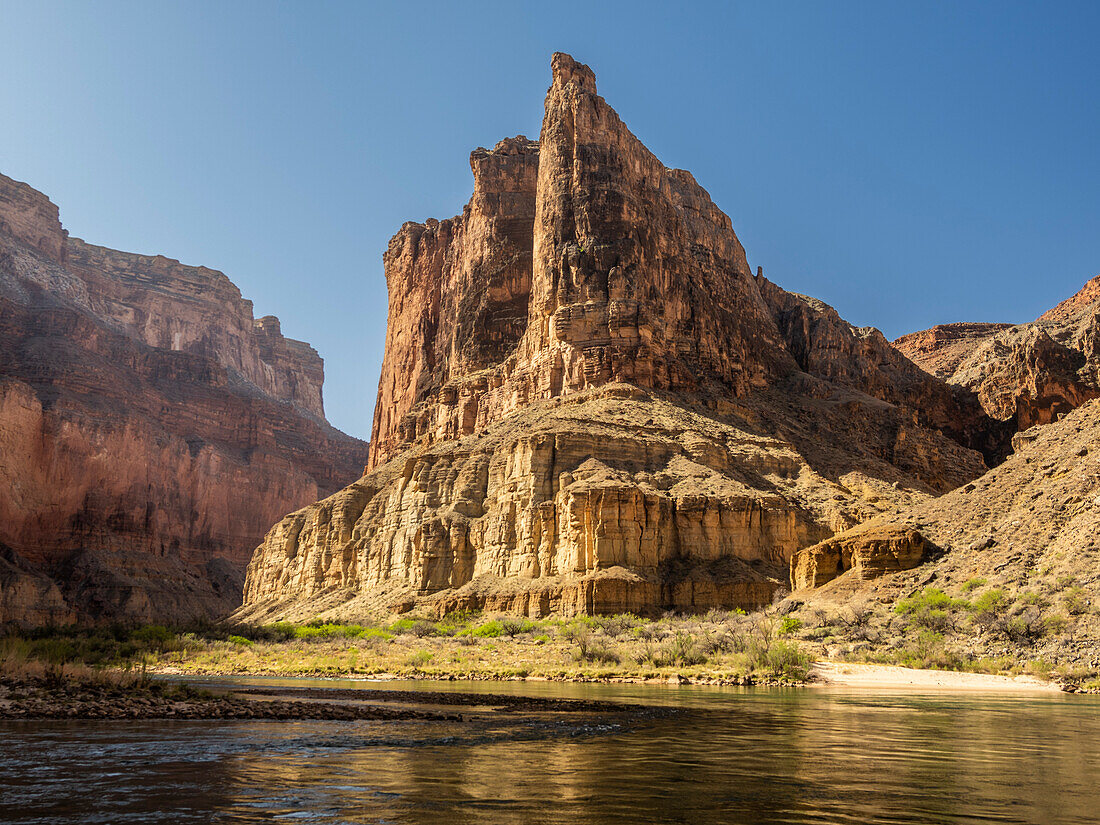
(1025, 374)
(588, 403)
(150, 429)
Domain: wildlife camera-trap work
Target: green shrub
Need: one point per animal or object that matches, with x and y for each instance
(789, 625)
(991, 601)
(615, 626)
(374, 633)
(241, 640)
(930, 598)
(1055, 624)
(595, 649)
(423, 628)
(280, 631)
(1075, 601)
(154, 635)
(1026, 627)
(785, 660)
(1033, 597)
(401, 626)
(491, 629)
(973, 584)
(513, 627)
(420, 658)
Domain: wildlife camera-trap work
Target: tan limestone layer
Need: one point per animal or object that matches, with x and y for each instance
(701, 511)
(868, 552)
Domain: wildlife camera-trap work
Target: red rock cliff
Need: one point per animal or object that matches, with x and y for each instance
(1026, 374)
(588, 403)
(150, 429)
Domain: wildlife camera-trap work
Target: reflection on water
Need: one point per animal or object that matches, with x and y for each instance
(752, 756)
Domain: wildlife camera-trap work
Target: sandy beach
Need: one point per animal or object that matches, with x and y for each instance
(904, 678)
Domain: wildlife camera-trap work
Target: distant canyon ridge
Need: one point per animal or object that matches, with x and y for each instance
(151, 430)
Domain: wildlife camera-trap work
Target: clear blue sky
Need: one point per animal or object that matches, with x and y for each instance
(908, 164)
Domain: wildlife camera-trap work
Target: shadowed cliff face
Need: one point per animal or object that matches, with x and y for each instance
(588, 403)
(150, 429)
(1026, 374)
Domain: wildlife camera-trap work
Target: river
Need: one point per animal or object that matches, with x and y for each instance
(825, 755)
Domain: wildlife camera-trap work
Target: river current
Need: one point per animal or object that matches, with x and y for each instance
(818, 755)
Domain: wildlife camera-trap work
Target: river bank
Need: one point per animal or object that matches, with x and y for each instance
(890, 677)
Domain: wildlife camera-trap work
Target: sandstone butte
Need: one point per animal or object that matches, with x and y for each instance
(589, 403)
(151, 430)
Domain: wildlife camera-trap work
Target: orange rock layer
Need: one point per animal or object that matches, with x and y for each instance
(588, 402)
(150, 429)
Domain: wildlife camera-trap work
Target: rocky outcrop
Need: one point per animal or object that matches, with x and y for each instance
(860, 358)
(1027, 374)
(865, 552)
(589, 404)
(941, 349)
(1020, 545)
(150, 429)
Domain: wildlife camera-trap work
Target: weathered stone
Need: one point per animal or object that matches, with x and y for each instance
(588, 403)
(150, 429)
(1028, 374)
(868, 552)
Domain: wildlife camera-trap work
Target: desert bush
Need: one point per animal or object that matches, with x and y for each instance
(491, 629)
(931, 609)
(1055, 624)
(1025, 627)
(973, 584)
(856, 616)
(422, 628)
(513, 627)
(785, 660)
(156, 636)
(595, 649)
(618, 625)
(789, 625)
(1075, 601)
(1033, 597)
(712, 644)
(682, 650)
(419, 659)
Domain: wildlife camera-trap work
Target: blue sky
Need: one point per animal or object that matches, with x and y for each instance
(909, 164)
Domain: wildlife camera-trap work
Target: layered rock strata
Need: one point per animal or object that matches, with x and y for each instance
(865, 552)
(588, 403)
(1025, 536)
(150, 429)
(1026, 374)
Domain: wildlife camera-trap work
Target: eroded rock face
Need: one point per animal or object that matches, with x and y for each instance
(941, 349)
(589, 404)
(590, 263)
(863, 552)
(588, 502)
(861, 359)
(1027, 374)
(150, 429)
